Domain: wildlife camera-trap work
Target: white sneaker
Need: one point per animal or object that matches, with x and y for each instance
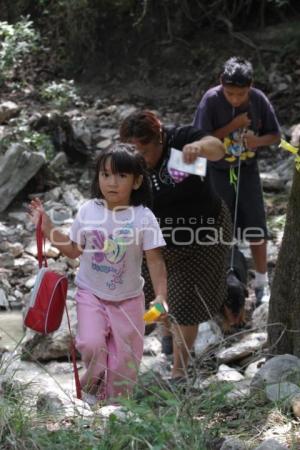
(90, 399)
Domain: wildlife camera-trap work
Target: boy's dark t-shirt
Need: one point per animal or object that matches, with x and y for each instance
(187, 211)
(214, 112)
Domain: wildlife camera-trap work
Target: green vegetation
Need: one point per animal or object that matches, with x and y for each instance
(18, 42)
(60, 94)
(78, 29)
(160, 420)
(38, 142)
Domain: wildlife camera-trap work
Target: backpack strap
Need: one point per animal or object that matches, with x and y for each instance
(40, 242)
(73, 356)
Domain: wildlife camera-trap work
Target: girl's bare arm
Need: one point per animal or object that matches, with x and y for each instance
(158, 274)
(55, 236)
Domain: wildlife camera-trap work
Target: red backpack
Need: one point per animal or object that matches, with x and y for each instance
(48, 301)
(48, 298)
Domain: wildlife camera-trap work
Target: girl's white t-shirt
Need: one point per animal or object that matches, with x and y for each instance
(113, 242)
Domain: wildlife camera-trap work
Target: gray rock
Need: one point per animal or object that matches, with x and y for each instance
(52, 346)
(8, 110)
(152, 345)
(103, 145)
(209, 334)
(272, 182)
(233, 444)
(226, 373)
(49, 403)
(241, 390)
(73, 198)
(124, 110)
(17, 166)
(53, 195)
(3, 299)
(254, 367)
(260, 317)
(59, 161)
(108, 133)
(16, 249)
(270, 444)
(81, 130)
(19, 216)
(281, 391)
(276, 370)
(6, 260)
(60, 214)
(247, 346)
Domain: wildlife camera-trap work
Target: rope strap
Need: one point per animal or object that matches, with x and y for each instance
(292, 149)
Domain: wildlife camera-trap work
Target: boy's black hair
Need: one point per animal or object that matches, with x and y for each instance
(238, 72)
(124, 158)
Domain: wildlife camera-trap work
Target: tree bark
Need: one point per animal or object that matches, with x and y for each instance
(284, 310)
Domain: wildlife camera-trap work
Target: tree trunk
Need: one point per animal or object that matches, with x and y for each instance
(284, 311)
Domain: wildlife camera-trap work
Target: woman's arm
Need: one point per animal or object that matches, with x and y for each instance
(158, 274)
(55, 236)
(208, 147)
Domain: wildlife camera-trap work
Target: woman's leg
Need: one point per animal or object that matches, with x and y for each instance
(125, 345)
(183, 341)
(92, 331)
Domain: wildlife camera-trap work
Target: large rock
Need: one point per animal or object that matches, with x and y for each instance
(38, 347)
(8, 110)
(272, 182)
(281, 391)
(251, 343)
(17, 166)
(209, 335)
(277, 370)
(233, 444)
(270, 444)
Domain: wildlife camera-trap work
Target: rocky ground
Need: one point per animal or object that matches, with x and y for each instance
(63, 184)
(60, 174)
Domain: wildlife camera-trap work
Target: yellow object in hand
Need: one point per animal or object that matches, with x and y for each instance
(154, 312)
(289, 147)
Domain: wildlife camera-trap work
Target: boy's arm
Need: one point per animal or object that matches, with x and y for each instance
(158, 273)
(253, 141)
(240, 121)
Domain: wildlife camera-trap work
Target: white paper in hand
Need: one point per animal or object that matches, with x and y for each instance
(176, 163)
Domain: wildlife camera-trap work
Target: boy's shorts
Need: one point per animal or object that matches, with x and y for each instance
(251, 218)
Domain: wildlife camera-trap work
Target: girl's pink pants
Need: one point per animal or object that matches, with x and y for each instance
(110, 337)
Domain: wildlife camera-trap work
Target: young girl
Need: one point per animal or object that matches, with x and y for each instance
(110, 234)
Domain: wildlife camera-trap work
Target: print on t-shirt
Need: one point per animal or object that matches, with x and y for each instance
(109, 253)
(234, 146)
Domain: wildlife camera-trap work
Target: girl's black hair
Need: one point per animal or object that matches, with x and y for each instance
(124, 158)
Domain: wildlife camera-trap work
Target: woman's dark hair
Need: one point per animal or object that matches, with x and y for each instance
(124, 158)
(238, 72)
(142, 125)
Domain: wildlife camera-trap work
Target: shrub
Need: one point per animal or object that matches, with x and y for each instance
(17, 43)
(60, 95)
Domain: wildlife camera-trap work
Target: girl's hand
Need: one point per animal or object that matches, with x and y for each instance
(36, 209)
(161, 300)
